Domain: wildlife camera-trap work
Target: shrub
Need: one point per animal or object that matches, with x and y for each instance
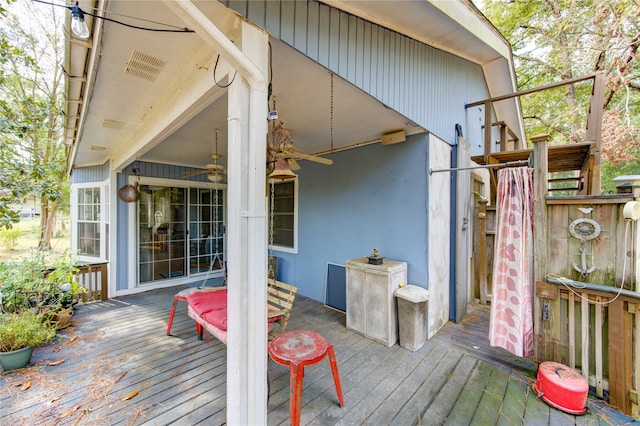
(38, 281)
(9, 238)
(24, 329)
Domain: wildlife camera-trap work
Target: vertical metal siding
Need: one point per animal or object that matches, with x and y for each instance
(425, 84)
(313, 26)
(165, 171)
(90, 174)
(301, 26)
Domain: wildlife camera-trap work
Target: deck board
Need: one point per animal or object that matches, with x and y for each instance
(467, 403)
(515, 401)
(410, 383)
(490, 404)
(431, 386)
(440, 408)
(119, 346)
(536, 411)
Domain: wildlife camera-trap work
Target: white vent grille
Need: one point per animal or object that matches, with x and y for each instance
(109, 123)
(142, 65)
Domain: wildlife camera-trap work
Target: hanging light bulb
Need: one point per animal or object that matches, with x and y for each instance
(78, 26)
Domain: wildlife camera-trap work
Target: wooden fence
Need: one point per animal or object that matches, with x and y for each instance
(586, 309)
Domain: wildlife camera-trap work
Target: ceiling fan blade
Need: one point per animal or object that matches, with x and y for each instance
(291, 148)
(314, 158)
(293, 164)
(195, 172)
(215, 167)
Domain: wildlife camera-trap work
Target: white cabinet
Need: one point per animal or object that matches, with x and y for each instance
(371, 306)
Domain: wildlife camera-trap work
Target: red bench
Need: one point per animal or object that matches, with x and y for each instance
(209, 309)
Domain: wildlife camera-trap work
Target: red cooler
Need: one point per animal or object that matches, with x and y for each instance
(562, 387)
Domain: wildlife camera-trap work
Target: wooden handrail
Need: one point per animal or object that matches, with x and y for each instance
(535, 89)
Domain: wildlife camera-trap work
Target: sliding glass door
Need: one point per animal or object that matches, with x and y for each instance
(206, 229)
(161, 233)
(180, 232)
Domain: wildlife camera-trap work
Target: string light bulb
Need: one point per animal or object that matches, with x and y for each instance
(78, 26)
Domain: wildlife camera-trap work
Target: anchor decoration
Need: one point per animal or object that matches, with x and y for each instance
(583, 264)
(585, 230)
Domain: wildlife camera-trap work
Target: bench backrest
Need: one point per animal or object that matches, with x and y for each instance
(280, 297)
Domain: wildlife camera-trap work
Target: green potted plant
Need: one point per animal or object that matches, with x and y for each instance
(19, 334)
(21, 281)
(39, 282)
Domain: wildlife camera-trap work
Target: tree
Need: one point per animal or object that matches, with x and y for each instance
(8, 193)
(559, 39)
(31, 145)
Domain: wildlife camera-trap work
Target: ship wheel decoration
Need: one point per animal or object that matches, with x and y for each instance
(585, 229)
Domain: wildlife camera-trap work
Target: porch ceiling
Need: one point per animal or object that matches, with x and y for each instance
(137, 113)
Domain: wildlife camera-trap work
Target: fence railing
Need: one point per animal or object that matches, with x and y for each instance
(594, 329)
(93, 277)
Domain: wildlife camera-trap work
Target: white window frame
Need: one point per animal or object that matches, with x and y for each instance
(275, 247)
(103, 222)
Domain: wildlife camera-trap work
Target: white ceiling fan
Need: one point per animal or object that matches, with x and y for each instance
(215, 172)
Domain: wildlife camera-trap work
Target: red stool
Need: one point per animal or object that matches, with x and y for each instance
(182, 295)
(297, 348)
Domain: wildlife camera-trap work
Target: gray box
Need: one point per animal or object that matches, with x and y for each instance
(412, 316)
(371, 306)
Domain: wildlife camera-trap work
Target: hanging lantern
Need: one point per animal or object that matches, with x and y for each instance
(282, 170)
(129, 193)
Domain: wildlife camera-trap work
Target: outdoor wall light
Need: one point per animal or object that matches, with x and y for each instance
(78, 26)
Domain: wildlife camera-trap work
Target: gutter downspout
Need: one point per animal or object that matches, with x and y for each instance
(453, 246)
(246, 384)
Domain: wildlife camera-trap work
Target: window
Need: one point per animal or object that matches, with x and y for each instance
(283, 218)
(89, 214)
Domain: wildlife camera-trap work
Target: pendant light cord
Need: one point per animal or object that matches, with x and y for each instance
(136, 27)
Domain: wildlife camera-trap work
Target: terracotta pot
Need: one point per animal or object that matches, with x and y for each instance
(63, 318)
(15, 359)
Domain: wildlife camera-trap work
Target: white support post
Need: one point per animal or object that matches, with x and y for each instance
(247, 230)
(247, 238)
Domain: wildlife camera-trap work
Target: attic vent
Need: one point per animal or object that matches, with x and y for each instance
(112, 124)
(144, 66)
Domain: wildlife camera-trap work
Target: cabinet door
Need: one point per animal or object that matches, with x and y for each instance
(377, 306)
(356, 305)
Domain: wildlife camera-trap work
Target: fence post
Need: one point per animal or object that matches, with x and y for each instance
(620, 355)
(540, 191)
(104, 282)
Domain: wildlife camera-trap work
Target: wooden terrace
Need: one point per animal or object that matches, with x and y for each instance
(120, 368)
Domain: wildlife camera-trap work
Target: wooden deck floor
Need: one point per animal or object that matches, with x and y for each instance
(121, 369)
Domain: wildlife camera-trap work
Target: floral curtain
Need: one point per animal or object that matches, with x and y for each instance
(512, 292)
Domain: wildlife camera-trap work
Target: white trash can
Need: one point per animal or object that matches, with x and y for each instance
(412, 316)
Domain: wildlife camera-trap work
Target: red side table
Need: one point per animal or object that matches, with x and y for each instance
(296, 349)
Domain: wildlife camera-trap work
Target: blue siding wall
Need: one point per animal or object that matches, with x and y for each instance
(425, 84)
(90, 174)
(371, 197)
